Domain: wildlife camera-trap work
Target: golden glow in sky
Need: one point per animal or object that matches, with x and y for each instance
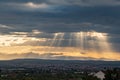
(81, 45)
(60, 29)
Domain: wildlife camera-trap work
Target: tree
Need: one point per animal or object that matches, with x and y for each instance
(86, 76)
(112, 74)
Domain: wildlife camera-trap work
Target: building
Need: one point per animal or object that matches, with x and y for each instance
(100, 75)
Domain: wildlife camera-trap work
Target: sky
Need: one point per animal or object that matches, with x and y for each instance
(60, 29)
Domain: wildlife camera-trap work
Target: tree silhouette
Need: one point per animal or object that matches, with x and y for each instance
(112, 74)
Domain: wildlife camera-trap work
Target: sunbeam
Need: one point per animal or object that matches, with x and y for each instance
(82, 41)
(57, 39)
(100, 41)
(60, 38)
(75, 44)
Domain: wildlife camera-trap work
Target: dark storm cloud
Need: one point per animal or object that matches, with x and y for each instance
(61, 16)
(69, 19)
(70, 2)
(22, 1)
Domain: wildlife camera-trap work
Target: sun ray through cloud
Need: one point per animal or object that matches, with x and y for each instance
(74, 28)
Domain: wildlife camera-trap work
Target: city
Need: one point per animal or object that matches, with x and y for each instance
(37, 69)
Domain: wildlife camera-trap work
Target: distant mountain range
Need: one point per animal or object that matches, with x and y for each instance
(29, 62)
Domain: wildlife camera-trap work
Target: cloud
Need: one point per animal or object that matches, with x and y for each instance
(51, 56)
(72, 2)
(30, 7)
(100, 19)
(33, 5)
(42, 22)
(56, 5)
(62, 56)
(5, 27)
(87, 3)
(17, 38)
